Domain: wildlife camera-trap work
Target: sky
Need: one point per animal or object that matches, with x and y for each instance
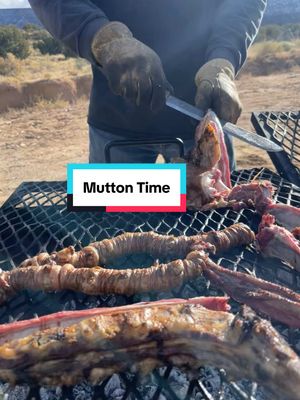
(13, 3)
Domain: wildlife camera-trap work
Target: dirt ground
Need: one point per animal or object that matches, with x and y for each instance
(37, 143)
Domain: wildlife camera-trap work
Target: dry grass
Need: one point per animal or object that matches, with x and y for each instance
(271, 47)
(38, 66)
(43, 105)
(9, 66)
(271, 57)
(36, 143)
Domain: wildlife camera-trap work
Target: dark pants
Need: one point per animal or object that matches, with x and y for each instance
(146, 154)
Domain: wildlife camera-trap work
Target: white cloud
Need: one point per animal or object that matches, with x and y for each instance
(14, 3)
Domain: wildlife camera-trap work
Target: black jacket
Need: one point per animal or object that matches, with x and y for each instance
(184, 33)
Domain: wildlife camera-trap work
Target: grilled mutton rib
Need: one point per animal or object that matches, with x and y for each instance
(106, 250)
(277, 242)
(94, 344)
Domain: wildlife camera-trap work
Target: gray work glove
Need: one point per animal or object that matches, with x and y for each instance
(216, 89)
(133, 70)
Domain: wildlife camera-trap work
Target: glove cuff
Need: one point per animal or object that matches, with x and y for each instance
(110, 32)
(213, 68)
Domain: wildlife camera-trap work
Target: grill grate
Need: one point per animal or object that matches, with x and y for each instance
(283, 128)
(35, 219)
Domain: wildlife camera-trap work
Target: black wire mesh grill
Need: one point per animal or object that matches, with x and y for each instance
(35, 219)
(283, 128)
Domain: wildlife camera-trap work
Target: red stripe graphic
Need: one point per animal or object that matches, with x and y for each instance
(180, 208)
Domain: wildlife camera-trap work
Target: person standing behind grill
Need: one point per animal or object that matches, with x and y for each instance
(140, 50)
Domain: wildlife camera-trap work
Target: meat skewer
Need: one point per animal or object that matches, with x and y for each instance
(149, 242)
(276, 301)
(277, 242)
(94, 344)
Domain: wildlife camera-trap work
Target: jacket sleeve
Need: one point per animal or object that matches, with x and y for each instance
(73, 22)
(235, 27)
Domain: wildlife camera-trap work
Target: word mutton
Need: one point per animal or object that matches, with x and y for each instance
(111, 187)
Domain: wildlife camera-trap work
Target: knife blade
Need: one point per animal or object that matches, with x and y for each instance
(228, 128)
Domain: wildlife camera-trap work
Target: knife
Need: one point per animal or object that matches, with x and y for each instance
(229, 128)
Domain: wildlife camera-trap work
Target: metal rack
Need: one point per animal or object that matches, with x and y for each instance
(35, 218)
(282, 128)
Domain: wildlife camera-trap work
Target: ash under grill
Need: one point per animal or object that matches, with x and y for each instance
(35, 219)
(282, 128)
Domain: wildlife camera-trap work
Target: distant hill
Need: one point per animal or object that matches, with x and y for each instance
(278, 12)
(18, 17)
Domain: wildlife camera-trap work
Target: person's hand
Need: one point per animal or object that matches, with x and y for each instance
(132, 69)
(216, 90)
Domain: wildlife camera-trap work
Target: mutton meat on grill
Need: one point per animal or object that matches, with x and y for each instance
(208, 173)
(277, 242)
(285, 215)
(274, 300)
(106, 250)
(65, 348)
(257, 194)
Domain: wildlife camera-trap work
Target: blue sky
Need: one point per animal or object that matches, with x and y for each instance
(13, 3)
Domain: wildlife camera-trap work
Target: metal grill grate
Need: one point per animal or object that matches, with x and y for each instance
(35, 218)
(283, 128)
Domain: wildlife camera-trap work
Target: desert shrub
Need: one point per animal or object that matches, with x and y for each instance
(279, 32)
(68, 53)
(269, 32)
(34, 32)
(31, 28)
(13, 40)
(39, 35)
(272, 47)
(295, 28)
(9, 66)
(49, 45)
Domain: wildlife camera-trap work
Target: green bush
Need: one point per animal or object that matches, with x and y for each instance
(31, 28)
(34, 32)
(49, 45)
(35, 36)
(13, 40)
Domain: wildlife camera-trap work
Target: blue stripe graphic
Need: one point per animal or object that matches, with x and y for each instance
(180, 167)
